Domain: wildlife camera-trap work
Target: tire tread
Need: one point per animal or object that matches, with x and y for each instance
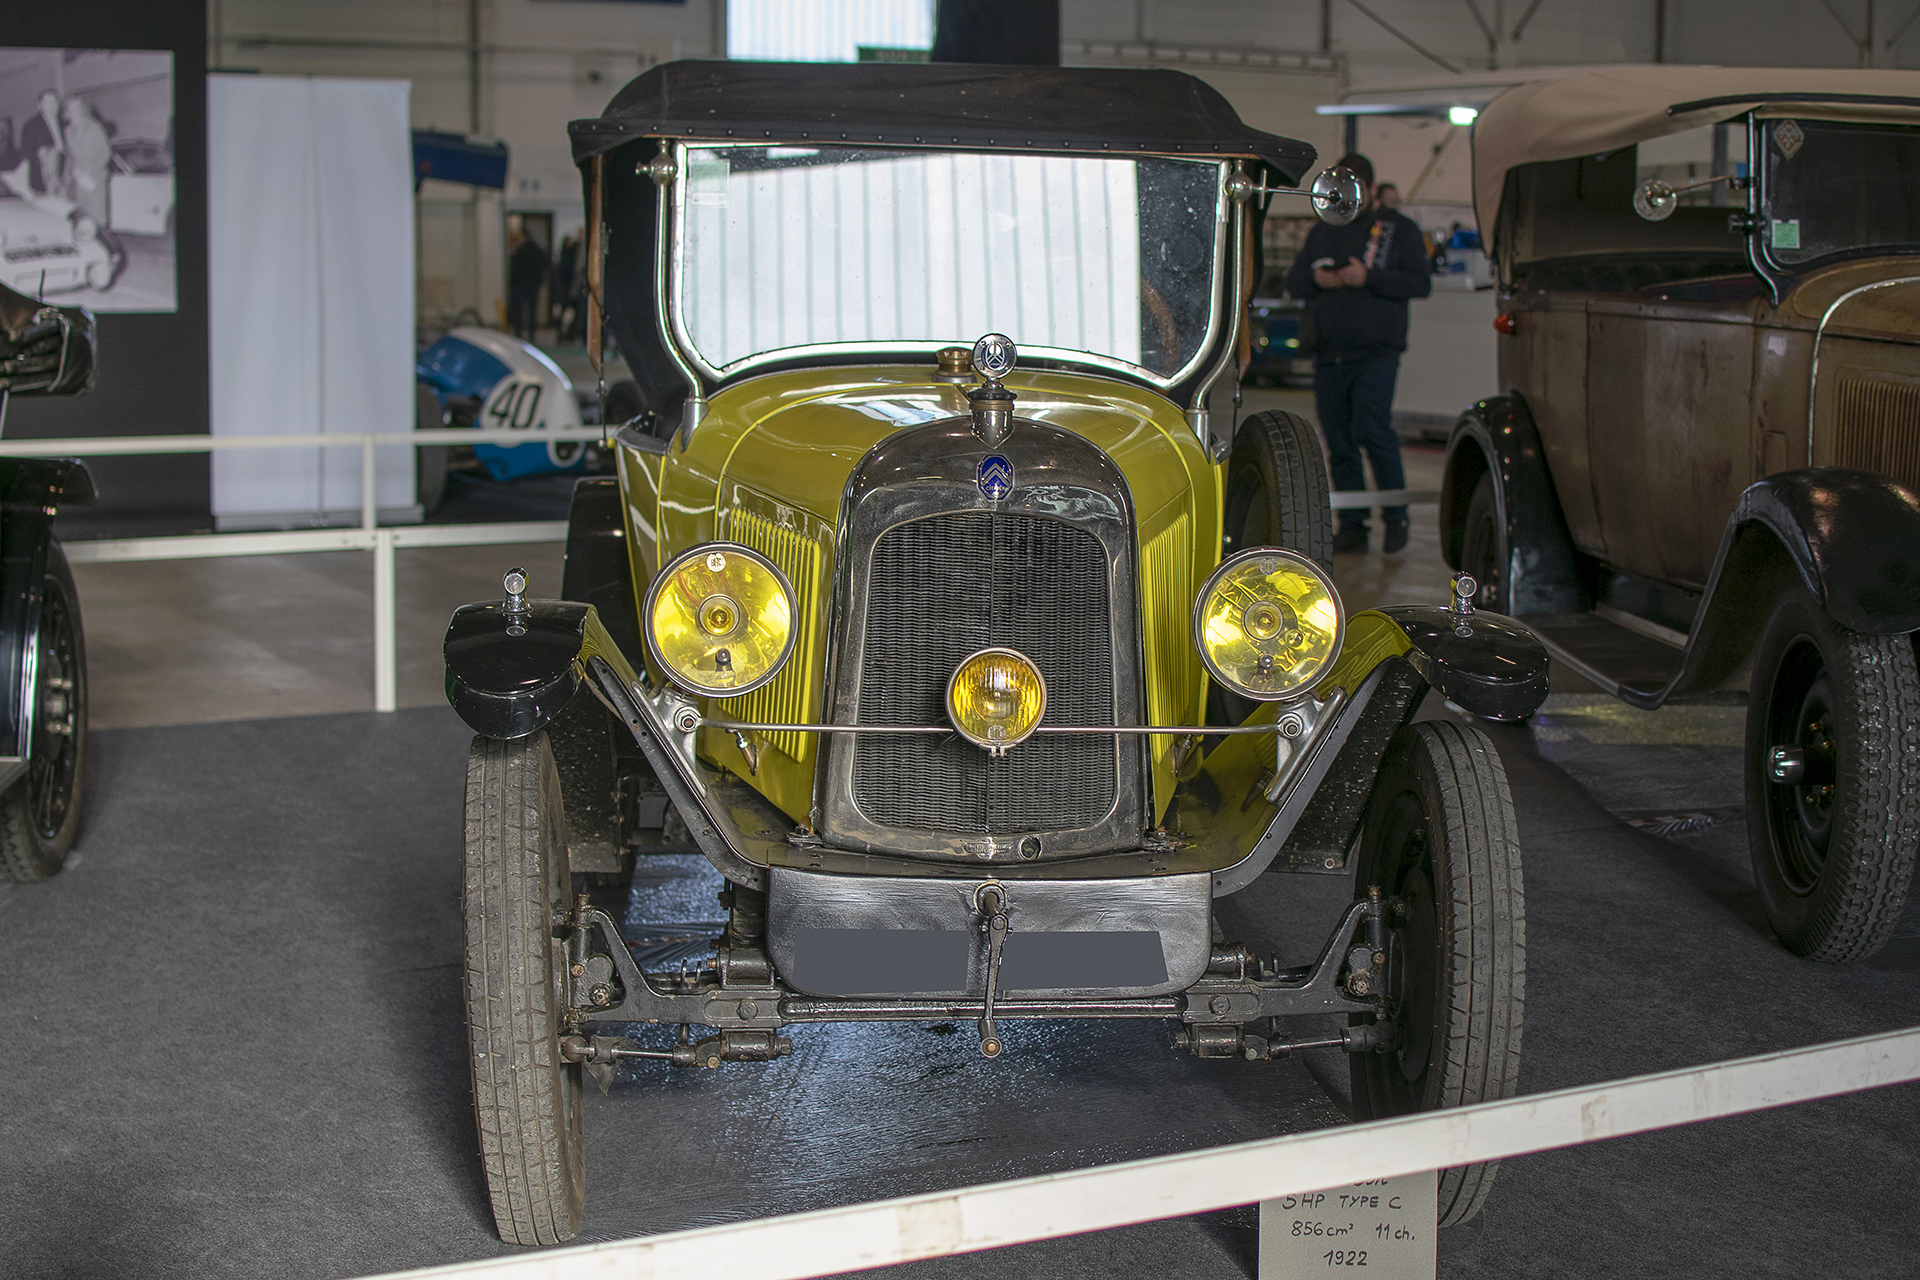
(533, 1171)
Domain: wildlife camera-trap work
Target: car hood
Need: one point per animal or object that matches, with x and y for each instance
(797, 437)
(1877, 299)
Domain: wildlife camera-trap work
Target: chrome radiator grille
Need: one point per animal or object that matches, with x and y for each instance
(1877, 428)
(942, 588)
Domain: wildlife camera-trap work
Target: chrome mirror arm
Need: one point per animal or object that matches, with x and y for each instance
(1656, 198)
(1337, 194)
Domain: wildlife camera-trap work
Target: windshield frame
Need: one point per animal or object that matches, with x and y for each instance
(674, 255)
(1761, 164)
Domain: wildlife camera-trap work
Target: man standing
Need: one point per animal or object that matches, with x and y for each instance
(526, 272)
(1357, 280)
(91, 153)
(43, 142)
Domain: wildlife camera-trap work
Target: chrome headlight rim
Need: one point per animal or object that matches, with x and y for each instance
(990, 745)
(665, 575)
(1305, 565)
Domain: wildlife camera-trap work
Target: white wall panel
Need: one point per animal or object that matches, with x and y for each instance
(310, 298)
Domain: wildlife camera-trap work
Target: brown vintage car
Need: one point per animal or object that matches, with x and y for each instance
(1700, 479)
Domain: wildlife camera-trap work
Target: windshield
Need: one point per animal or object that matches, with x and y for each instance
(1837, 189)
(1105, 259)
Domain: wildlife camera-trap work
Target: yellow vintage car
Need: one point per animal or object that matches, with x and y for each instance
(935, 606)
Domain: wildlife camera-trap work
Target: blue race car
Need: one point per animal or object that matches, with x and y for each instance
(476, 377)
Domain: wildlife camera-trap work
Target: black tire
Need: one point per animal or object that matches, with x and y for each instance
(40, 814)
(1276, 497)
(1483, 548)
(527, 1098)
(1440, 840)
(430, 460)
(1277, 489)
(1833, 854)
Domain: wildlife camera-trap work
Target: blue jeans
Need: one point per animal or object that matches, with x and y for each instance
(1355, 402)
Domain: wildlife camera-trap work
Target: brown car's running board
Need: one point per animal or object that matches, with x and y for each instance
(1626, 662)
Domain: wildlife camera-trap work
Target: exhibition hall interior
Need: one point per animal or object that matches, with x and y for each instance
(945, 638)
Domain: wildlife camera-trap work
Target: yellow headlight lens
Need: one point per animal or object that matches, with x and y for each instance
(1268, 624)
(996, 698)
(719, 619)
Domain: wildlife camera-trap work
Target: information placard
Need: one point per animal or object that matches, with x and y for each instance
(1381, 1230)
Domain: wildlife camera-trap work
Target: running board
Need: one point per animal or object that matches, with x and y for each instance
(1612, 656)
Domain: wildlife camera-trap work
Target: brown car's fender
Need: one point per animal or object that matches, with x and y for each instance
(1497, 436)
(1847, 536)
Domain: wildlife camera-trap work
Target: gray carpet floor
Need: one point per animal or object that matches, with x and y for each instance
(231, 1041)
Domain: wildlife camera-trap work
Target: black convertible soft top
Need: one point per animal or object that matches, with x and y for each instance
(1074, 109)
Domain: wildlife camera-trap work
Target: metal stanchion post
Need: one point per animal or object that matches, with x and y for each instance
(385, 697)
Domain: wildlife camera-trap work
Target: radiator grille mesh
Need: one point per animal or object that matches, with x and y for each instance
(947, 586)
(1877, 428)
(790, 697)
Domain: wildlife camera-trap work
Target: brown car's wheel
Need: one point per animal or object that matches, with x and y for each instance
(1833, 780)
(41, 813)
(526, 1096)
(1483, 549)
(1441, 844)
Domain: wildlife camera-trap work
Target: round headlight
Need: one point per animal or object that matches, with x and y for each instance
(996, 698)
(1268, 624)
(719, 620)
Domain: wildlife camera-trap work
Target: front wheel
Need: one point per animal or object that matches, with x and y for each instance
(1441, 845)
(526, 1096)
(41, 813)
(1833, 780)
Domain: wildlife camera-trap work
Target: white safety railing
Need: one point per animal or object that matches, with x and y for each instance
(859, 1236)
(368, 536)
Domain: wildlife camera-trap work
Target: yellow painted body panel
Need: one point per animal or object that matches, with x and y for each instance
(770, 462)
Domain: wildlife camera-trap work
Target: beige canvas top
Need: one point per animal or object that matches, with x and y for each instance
(1587, 114)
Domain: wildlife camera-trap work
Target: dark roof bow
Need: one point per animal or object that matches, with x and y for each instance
(947, 105)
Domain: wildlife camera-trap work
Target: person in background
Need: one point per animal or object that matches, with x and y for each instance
(527, 269)
(1387, 195)
(90, 153)
(1358, 279)
(44, 143)
(10, 156)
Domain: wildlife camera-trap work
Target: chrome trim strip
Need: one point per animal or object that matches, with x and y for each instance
(1230, 351)
(696, 406)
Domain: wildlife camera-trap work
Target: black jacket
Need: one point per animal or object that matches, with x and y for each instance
(527, 267)
(1356, 324)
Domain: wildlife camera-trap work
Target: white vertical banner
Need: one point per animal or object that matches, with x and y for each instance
(310, 290)
(363, 181)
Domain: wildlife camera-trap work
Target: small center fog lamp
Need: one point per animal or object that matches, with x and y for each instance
(996, 698)
(1268, 624)
(719, 620)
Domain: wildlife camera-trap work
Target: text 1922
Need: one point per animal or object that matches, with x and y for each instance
(1346, 1257)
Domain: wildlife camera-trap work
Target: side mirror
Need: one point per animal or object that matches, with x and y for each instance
(1655, 200)
(1337, 196)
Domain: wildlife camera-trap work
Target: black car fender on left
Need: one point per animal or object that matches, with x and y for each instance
(31, 491)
